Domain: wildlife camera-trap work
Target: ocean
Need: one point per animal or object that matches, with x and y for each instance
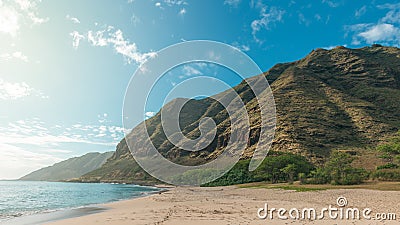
(21, 198)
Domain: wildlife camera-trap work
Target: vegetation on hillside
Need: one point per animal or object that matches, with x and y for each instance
(276, 167)
(287, 167)
(338, 171)
(390, 152)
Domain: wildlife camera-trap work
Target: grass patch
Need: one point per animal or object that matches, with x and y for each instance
(370, 185)
(297, 188)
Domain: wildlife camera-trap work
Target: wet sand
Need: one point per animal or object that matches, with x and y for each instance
(42, 218)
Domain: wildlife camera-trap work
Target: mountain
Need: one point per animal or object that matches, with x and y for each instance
(339, 99)
(70, 168)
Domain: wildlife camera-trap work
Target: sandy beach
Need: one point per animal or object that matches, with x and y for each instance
(234, 205)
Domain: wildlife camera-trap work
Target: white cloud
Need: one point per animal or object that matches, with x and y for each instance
(385, 31)
(389, 6)
(170, 3)
(13, 13)
(37, 20)
(355, 30)
(318, 17)
(73, 19)
(393, 15)
(36, 134)
(360, 12)
(241, 47)
(48, 140)
(303, 20)
(190, 71)
(162, 4)
(244, 48)
(233, 3)
(25, 4)
(12, 91)
(174, 2)
(29, 7)
(332, 4)
(267, 19)
(182, 11)
(14, 55)
(16, 162)
(27, 145)
(96, 38)
(114, 38)
(9, 20)
(380, 32)
(128, 50)
(358, 27)
(333, 46)
(76, 38)
(214, 56)
(373, 33)
(149, 114)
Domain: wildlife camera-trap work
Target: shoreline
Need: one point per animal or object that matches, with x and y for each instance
(235, 205)
(53, 215)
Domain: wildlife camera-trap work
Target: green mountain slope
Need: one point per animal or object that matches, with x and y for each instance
(339, 99)
(70, 168)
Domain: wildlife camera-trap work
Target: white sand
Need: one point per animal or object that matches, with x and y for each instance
(233, 205)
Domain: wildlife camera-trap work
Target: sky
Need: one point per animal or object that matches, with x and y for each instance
(65, 65)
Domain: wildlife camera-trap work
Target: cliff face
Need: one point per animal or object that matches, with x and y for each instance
(339, 99)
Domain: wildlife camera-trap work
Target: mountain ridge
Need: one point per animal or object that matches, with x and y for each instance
(70, 168)
(338, 99)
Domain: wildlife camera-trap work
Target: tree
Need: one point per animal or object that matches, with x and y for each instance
(391, 154)
(391, 150)
(338, 164)
(275, 167)
(340, 171)
(290, 170)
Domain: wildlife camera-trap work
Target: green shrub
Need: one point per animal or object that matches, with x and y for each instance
(239, 174)
(353, 176)
(302, 178)
(195, 176)
(338, 171)
(387, 175)
(390, 150)
(388, 166)
(319, 176)
(283, 167)
(276, 167)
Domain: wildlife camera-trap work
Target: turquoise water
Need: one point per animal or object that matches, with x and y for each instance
(18, 198)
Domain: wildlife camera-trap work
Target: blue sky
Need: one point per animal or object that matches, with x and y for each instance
(65, 65)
